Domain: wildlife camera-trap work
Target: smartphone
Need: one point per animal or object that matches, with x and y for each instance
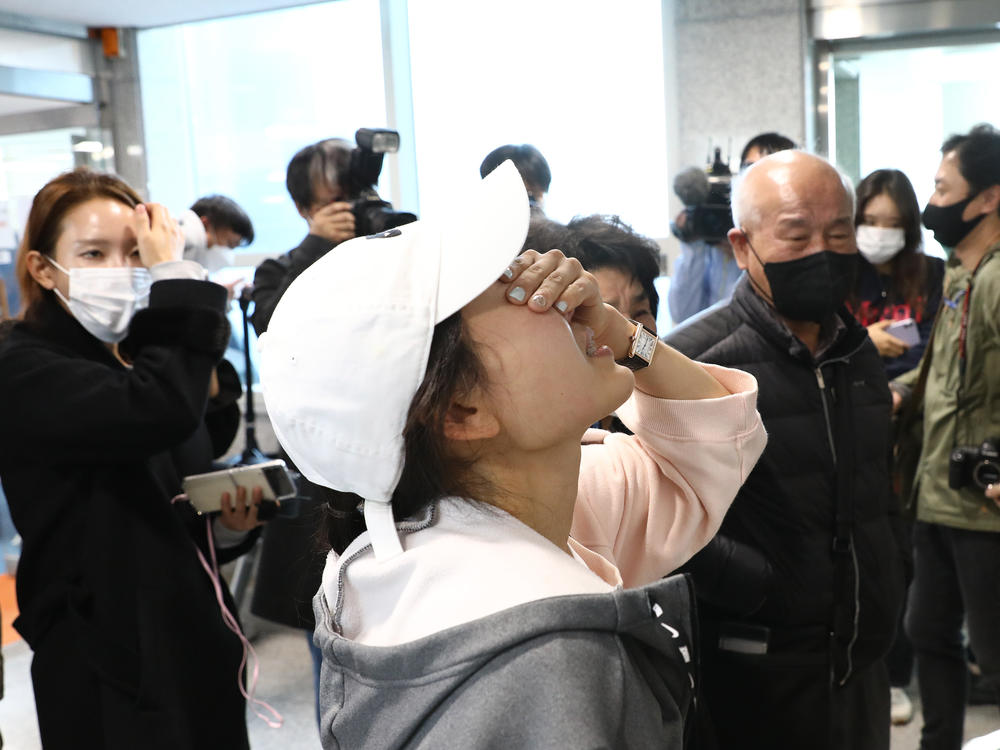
(905, 330)
(205, 490)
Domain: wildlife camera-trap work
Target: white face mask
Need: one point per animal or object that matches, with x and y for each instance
(879, 244)
(103, 300)
(217, 257)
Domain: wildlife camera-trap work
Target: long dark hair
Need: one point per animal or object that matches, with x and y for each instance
(430, 470)
(909, 265)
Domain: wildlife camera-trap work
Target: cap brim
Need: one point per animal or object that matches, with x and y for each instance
(482, 238)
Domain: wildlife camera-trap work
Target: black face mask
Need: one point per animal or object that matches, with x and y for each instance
(811, 288)
(947, 224)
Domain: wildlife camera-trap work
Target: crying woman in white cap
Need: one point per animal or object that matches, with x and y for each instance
(506, 588)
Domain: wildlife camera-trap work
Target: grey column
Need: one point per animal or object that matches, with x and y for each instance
(120, 99)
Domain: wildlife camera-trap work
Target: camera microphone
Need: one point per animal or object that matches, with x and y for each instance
(691, 186)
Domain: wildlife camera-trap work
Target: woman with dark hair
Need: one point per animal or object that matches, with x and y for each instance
(482, 603)
(103, 382)
(895, 281)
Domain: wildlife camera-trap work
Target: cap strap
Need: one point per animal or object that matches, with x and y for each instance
(382, 529)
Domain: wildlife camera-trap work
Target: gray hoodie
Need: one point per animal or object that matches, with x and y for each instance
(607, 670)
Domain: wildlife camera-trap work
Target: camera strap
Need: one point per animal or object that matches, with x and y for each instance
(963, 333)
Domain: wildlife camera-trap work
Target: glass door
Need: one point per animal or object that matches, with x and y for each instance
(892, 108)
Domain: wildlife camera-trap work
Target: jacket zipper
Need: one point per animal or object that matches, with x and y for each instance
(854, 554)
(826, 413)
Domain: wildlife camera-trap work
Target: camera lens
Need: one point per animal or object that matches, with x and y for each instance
(986, 473)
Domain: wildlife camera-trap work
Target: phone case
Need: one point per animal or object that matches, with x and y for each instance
(204, 491)
(906, 331)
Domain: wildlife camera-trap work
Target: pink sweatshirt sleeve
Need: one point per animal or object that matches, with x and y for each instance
(649, 501)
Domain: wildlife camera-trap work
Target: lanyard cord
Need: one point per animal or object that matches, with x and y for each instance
(233, 624)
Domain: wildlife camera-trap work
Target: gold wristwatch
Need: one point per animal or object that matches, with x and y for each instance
(641, 348)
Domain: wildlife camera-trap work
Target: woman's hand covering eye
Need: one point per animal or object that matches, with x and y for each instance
(551, 280)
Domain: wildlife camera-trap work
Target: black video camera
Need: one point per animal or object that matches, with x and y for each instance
(372, 214)
(707, 211)
(978, 465)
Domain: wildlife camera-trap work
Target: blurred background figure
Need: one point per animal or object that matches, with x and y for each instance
(896, 281)
(956, 536)
(212, 228)
(102, 381)
(705, 272)
(532, 167)
(332, 183)
(896, 285)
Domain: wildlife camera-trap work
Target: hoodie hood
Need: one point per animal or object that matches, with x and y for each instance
(612, 670)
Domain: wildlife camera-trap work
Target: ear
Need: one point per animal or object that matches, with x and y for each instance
(41, 270)
(741, 251)
(991, 199)
(466, 423)
(204, 222)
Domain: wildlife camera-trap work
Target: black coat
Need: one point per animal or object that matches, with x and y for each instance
(292, 553)
(805, 529)
(130, 647)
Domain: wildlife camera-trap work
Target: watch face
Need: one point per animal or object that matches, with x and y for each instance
(645, 345)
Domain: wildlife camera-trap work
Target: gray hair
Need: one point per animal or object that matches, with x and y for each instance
(741, 212)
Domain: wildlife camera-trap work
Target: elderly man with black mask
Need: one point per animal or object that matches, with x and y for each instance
(801, 589)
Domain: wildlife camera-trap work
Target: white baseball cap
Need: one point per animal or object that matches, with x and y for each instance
(347, 345)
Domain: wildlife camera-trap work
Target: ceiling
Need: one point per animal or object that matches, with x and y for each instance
(67, 16)
(128, 13)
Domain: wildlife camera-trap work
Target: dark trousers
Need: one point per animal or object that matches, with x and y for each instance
(956, 578)
(899, 660)
(787, 701)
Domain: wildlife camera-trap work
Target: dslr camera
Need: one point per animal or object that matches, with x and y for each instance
(372, 214)
(707, 213)
(974, 465)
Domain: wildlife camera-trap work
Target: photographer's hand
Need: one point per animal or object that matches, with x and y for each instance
(334, 222)
(993, 492)
(241, 516)
(158, 235)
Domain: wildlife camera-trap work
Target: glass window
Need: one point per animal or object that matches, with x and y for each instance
(585, 87)
(226, 104)
(27, 162)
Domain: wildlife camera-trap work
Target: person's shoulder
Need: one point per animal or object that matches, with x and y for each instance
(986, 283)
(700, 333)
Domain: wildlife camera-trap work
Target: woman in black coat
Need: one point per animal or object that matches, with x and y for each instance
(130, 649)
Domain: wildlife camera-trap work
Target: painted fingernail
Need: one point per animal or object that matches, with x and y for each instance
(518, 294)
(539, 300)
(508, 273)
(561, 306)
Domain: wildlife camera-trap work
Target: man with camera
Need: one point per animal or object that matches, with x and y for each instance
(799, 593)
(957, 533)
(333, 187)
(706, 272)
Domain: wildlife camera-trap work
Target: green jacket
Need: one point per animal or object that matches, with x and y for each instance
(946, 423)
